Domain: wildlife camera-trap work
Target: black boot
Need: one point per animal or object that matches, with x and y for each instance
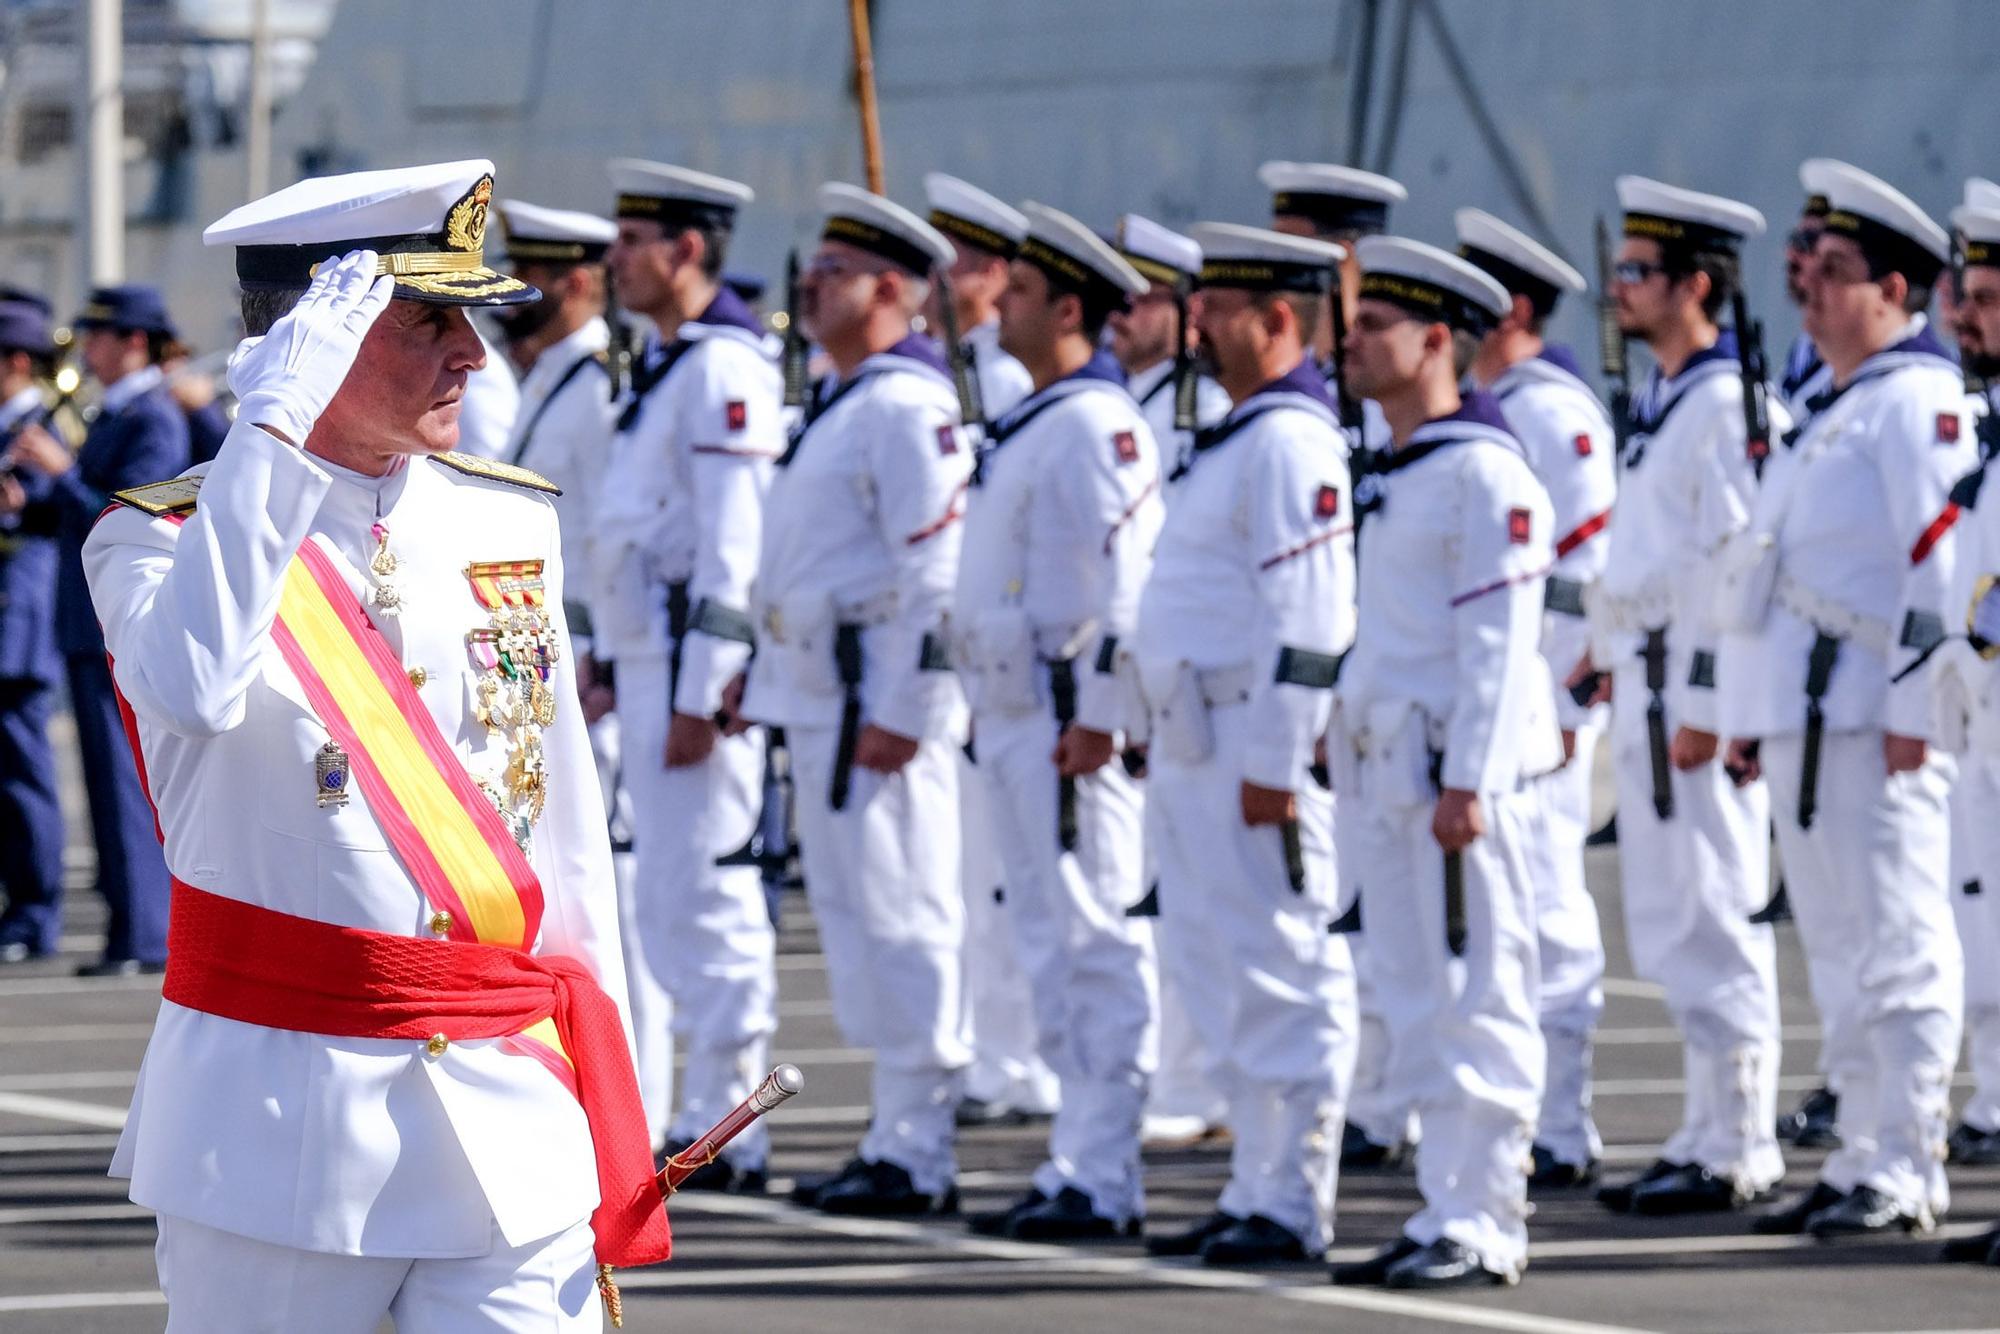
(1791, 1220)
(1690, 1190)
(1972, 1147)
(884, 1190)
(1255, 1240)
(1811, 1124)
(1070, 1216)
(1552, 1173)
(1001, 1222)
(1189, 1240)
(1357, 1150)
(1982, 1249)
(1374, 1271)
(806, 1189)
(1444, 1264)
(1618, 1198)
(1865, 1210)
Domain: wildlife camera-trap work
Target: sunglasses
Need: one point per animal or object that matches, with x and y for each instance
(1632, 272)
(1802, 239)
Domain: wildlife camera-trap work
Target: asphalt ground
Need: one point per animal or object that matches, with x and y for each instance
(76, 1257)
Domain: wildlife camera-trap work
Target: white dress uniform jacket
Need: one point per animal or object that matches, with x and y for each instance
(1003, 380)
(862, 529)
(1153, 390)
(1059, 533)
(1570, 445)
(1856, 518)
(1446, 688)
(347, 1145)
(563, 431)
(1250, 599)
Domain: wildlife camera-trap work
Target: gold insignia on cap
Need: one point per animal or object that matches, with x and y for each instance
(465, 225)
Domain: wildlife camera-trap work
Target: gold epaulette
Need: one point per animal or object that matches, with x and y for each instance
(161, 498)
(473, 465)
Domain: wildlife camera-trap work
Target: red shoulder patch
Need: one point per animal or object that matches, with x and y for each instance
(1327, 503)
(1947, 428)
(947, 439)
(1520, 526)
(737, 413)
(1582, 443)
(1127, 446)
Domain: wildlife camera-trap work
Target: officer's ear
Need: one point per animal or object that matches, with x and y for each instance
(1521, 314)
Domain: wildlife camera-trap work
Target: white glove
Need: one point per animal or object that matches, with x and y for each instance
(284, 380)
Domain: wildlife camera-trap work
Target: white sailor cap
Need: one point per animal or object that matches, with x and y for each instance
(1981, 193)
(1656, 211)
(427, 223)
(1516, 260)
(1258, 260)
(1430, 283)
(1159, 254)
(1980, 228)
(1076, 259)
(882, 227)
(964, 212)
(675, 196)
(1882, 219)
(1333, 198)
(538, 235)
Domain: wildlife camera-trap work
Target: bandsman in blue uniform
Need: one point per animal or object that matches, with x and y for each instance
(140, 435)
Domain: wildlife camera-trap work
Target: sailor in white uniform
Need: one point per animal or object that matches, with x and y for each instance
(678, 522)
(1059, 531)
(1154, 339)
(1008, 1079)
(1841, 586)
(1250, 602)
(1693, 840)
(1969, 685)
(1443, 719)
(861, 545)
(1569, 442)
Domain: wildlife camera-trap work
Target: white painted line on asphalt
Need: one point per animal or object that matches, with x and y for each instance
(55, 1143)
(76, 1033)
(1632, 986)
(1634, 1088)
(69, 1079)
(666, 1280)
(804, 1009)
(1318, 1294)
(81, 1301)
(63, 1109)
(54, 983)
(74, 1213)
(1639, 1037)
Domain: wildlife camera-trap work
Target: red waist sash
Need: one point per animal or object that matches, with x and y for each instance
(260, 966)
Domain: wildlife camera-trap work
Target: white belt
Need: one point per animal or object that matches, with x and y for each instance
(1227, 685)
(877, 610)
(1829, 617)
(1612, 613)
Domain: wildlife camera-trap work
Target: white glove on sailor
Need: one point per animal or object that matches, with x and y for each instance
(284, 380)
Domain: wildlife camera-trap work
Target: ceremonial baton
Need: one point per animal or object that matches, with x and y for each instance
(781, 1084)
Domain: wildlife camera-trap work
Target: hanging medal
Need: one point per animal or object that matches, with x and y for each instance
(382, 565)
(513, 656)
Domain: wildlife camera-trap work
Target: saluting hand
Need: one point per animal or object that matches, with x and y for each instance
(284, 380)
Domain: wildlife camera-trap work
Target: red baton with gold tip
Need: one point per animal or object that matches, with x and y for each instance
(781, 1084)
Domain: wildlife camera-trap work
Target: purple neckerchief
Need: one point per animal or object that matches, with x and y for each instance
(1561, 358)
(1478, 408)
(917, 347)
(1658, 394)
(1304, 378)
(729, 311)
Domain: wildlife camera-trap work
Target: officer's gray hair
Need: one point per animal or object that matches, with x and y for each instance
(916, 291)
(265, 307)
(1464, 345)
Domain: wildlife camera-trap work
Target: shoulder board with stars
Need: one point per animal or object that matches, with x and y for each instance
(473, 465)
(176, 496)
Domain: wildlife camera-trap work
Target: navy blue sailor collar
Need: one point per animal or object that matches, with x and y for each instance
(1477, 417)
(1101, 370)
(729, 311)
(1659, 393)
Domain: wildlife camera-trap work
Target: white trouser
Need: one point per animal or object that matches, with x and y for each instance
(1571, 949)
(1690, 884)
(1271, 994)
(882, 878)
(1090, 967)
(1975, 906)
(1465, 1032)
(1000, 1013)
(219, 1283)
(639, 727)
(705, 928)
(1869, 889)
(1383, 1110)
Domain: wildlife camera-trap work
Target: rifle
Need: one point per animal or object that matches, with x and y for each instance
(1756, 410)
(1362, 464)
(796, 351)
(964, 363)
(1186, 382)
(618, 354)
(1611, 347)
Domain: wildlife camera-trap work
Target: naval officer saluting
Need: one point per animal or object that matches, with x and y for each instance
(391, 1076)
